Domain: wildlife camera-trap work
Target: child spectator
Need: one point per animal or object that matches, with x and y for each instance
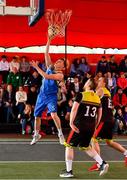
(120, 125)
(21, 98)
(27, 118)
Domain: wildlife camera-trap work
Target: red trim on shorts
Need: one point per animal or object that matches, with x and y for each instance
(98, 129)
(70, 136)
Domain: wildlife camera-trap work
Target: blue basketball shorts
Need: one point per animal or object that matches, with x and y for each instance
(43, 102)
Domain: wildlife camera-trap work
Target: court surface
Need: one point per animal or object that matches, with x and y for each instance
(45, 160)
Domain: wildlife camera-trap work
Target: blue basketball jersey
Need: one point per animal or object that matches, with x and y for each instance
(49, 86)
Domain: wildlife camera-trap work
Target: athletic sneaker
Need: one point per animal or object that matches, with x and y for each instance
(66, 174)
(23, 132)
(35, 139)
(125, 160)
(95, 167)
(61, 138)
(103, 168)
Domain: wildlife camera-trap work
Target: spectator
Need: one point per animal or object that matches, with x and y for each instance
(120, 125)
(21, 98)
(86, 77)
(61, 99)
(32, 96)
(102, 66)
(43, 66)
(120, 99)
(84, 67)
(123, 65)
(4, 68)
(122, 82)
(113, 67)
(35, 80)
(75, 68)
(68, 111)
(1, 105)
(27, 118)
(76, 86)
(111, 83)
(14, 64)
(98, 75)
(9, 103)
(14, 78)
(24, 68)
(125, 115)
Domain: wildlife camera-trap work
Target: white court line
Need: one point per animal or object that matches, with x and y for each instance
(44, 140)
(40, 142)
(53, 161)
(59, 179)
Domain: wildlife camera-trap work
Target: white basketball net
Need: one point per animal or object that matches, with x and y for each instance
(57, 21)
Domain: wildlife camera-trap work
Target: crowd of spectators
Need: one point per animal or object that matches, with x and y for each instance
(20, 85)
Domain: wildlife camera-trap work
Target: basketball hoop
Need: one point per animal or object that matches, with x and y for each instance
(57, 21)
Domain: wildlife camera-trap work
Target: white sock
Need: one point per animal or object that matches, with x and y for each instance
(98, 159)
(125, 153)
(68, 165)
(60, 132)
(36, 132)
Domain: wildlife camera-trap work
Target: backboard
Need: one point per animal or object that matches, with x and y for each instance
(37, 7)
(2, 2)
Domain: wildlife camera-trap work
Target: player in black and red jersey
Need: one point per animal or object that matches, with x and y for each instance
(104, 130)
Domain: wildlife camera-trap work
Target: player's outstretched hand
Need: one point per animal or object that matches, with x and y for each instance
(74, 128)
(34, 64)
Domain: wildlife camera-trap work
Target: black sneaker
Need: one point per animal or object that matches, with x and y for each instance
(103, 168)
(66, 174)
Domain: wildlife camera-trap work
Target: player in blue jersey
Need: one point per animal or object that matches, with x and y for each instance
(47, 97)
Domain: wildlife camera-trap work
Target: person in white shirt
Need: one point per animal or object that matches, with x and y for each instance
(14, 64)
(4, 68)
(21, 98)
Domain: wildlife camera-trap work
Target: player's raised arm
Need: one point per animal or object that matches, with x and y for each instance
(57, 76)
(48, 61)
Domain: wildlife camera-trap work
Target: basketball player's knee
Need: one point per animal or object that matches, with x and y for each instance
(108, 142)
(37, 119)
(53, 115)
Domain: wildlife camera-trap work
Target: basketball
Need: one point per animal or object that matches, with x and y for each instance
(53, 30)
